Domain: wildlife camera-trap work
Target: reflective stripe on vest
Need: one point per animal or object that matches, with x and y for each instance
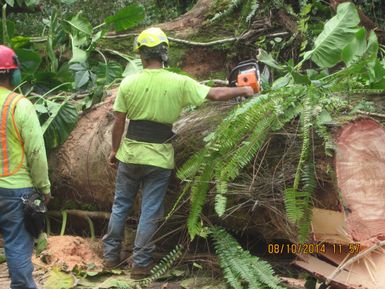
(7, 116)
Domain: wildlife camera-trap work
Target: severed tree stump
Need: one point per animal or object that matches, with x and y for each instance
(360, 169)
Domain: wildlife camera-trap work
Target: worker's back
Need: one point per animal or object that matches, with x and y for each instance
(155, 95)
(158, 95)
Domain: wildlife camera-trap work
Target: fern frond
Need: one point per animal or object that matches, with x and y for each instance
(240, 266)
(304, 226)
(308, 179)
(233, 144)
(230, 9)
(295, 204)
(198, 197)
(241, 157)
(191, 166)
(163, 266)
(306, 125)
(254, 5)
(220, 198)
(329, 143)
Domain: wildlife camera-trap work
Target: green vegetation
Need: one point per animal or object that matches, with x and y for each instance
(316, 96)
(67, 67)
(164, 265)
(239, 266)
(88, 71)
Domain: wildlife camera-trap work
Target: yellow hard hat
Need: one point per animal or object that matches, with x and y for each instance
(150, 37)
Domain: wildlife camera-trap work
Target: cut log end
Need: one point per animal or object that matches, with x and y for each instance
(360, 168)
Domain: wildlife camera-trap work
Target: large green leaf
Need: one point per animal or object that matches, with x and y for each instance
(107, 73)
(372, 48)
(80, 23)
(29, 60)
(83, 75)
(337, 32)
(78, 55)
(59, 280)
(10, 2)
(61, 121)
(126, 18)
(114, 282)
(10, 30)
(268, 59)
(50, 80)
(356, 48)
(31, 3)
(282, 81)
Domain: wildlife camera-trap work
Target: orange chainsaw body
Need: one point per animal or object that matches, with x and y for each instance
(246, 73)
(249, 78)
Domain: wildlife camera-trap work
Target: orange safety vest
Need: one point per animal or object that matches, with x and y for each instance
(12, 145)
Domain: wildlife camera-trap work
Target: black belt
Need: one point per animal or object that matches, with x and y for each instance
(149, 131)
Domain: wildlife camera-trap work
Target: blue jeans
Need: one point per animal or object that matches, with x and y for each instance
(154, 181)
(18, 243)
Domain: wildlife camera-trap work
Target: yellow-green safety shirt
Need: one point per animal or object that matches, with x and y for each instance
(156, 95)
(33, 171)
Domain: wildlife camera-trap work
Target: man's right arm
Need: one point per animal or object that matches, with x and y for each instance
(226, 93)
(195, 93)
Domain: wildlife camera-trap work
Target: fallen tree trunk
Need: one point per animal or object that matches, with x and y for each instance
(79, 171)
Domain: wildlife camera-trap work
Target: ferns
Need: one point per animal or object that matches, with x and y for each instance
(198, 198)
(254, 6)
(220, 198)
(249, 9)
(240, 266)
(230, 9)
(297, 203)
(237, 140)
(164, 265)
(232, 146)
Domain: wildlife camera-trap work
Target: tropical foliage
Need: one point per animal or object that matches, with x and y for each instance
(240, 268)
(314, 96)
(164, 265)
(87, 70)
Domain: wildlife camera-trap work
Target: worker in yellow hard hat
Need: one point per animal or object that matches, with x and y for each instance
(152, 42)
(152, 100)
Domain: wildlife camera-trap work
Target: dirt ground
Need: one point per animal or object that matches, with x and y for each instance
(80, 259)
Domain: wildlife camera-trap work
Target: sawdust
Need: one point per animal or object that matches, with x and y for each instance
(68, 252)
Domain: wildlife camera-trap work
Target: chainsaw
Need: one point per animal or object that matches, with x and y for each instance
(246, 73)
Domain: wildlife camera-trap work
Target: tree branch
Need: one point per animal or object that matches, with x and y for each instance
(176, 40)
(82, 214)
(371, 113)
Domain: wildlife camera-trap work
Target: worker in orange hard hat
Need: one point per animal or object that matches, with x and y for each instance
(23, 167)
(153, 101)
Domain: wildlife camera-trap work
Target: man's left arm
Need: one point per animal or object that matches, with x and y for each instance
(34, 148)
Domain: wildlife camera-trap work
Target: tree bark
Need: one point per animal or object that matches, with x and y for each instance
(79, 171)
(190, 22)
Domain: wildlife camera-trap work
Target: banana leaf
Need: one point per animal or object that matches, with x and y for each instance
(337, 32)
